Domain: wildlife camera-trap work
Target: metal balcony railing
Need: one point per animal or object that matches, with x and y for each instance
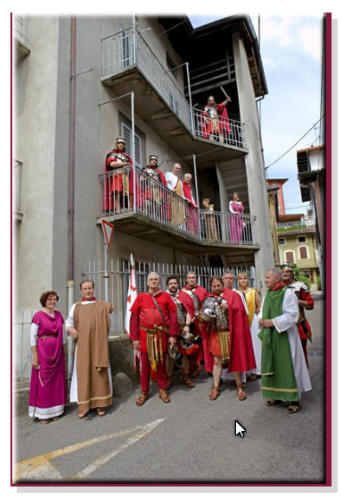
(132, 190)
(127, 48)
(20, 30)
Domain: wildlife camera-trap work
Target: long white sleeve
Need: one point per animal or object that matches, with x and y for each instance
(231, 209)
(33, 333)
(289, 316)
(70, 319)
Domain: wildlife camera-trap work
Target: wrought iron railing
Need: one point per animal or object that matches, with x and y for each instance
(127, 48)
(132, 190)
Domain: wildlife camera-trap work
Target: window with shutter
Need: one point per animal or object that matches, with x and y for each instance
(126, 133)
(303, 252)
(289, 257)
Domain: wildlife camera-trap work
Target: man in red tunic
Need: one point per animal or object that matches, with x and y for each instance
(305, 302)
(215, 124)
(198, 295)
(185, 345)
(153, 325)
(152, 197)
(229, 335)
(118, 186)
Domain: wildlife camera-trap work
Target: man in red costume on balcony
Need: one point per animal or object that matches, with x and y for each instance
(153, 325)
(198, 295)
(187, 348)
(118, 187)
(214, 117)
(229, 335)
(305, 302)
(192, 215)
(151, 196)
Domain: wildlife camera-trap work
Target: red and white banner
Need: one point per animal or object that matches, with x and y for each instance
(131, 296)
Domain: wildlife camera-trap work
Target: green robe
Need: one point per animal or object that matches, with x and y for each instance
(277, 375)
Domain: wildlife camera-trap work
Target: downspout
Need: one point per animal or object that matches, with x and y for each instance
(71, 193)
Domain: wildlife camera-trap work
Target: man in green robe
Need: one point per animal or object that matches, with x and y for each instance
(284, 375)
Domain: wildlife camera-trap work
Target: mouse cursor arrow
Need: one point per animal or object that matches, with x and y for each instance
(239, 430)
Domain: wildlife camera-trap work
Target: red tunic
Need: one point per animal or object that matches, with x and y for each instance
(241, 347)
(146, 314)
(116, 184)
(223, 123)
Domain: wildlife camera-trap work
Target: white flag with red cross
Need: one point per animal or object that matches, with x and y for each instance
(131, 296)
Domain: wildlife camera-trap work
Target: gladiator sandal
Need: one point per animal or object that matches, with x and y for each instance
(187, 381)
(215, 392)
(141, 399)
(164, 396)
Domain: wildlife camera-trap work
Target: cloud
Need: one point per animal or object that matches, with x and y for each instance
(311, 41)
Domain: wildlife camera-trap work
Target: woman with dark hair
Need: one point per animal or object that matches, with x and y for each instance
(48, 391)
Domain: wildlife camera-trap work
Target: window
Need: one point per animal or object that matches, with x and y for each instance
(301, 239)
(303, 252)
(126, 131)
(289, 256)
(282, 240)
(126, 55)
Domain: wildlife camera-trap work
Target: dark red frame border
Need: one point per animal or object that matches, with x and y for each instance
(328, 295)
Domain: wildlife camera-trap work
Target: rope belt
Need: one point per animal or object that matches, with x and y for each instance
(224, 341)
(155, 345)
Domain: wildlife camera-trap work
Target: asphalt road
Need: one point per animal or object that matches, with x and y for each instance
(191, 439)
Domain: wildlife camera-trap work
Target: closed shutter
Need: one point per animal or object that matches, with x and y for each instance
(126, 133)
(303, 252)
(289, 257)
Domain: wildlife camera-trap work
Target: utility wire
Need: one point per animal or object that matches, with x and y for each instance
(294, 145)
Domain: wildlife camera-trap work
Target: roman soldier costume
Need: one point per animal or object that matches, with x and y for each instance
(116, 184)
(215, 120)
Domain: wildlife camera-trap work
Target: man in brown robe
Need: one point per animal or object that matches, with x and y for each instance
(88, 323)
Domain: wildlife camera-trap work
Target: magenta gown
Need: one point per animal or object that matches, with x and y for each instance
(236, 222)
(48, 390)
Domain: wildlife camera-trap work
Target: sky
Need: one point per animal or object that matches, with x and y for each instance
(291, 55)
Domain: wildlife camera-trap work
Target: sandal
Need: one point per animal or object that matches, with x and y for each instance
(293, 408)
(82, 415)
(273, 402)
(241, 394)
(187, 381)
(141, 399)
(101, 411)
(215, 392)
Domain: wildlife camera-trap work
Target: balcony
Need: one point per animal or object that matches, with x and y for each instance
(22, 43)
(129, 63)
(152, 212)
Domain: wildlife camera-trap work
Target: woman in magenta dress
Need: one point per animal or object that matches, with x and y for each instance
(48, 390)
(235, 219)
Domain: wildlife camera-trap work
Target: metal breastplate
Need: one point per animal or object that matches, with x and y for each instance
(181, 312)
(212, 112)
(211, 307)
(152, 173)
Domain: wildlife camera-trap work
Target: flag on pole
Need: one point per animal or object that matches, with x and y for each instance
(131, 297)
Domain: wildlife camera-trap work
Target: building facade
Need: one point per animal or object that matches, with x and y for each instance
(80, 83)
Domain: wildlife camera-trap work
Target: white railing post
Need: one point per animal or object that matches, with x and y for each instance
(134, 39)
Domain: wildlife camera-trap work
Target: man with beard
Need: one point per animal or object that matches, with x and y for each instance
(153, 325)
(305, 302)
(198, 295)
(229, 335)
(185, 316)
(151, 196)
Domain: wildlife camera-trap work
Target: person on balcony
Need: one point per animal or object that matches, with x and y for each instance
(284, 374)
(186, 346)
(209, 218)
(118, 188)
(88, 324)
(236, 224)
(198, 294)
(229, 335)
(153, 325)
(175, 185)
(48, 389)
(253, 302)
(151, 196)
(214, 118)
(192, 215)
(305, 302)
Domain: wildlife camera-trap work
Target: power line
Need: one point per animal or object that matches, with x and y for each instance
(294, 145)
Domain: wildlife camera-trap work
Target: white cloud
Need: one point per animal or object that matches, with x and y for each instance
(310, 38)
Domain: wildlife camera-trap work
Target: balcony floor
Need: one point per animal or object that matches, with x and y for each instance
(138, 225)
(152, 108)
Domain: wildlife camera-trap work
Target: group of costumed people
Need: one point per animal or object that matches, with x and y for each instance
(225, 330)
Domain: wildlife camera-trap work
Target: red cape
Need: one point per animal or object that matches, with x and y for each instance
(187, 302)
(241, 349)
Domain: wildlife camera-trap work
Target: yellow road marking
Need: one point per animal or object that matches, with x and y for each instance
(41, 467)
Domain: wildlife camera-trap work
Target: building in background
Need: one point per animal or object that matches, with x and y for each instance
(80, 83)
(280, 196)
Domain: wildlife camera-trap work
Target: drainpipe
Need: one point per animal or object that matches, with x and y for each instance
(71, 193)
